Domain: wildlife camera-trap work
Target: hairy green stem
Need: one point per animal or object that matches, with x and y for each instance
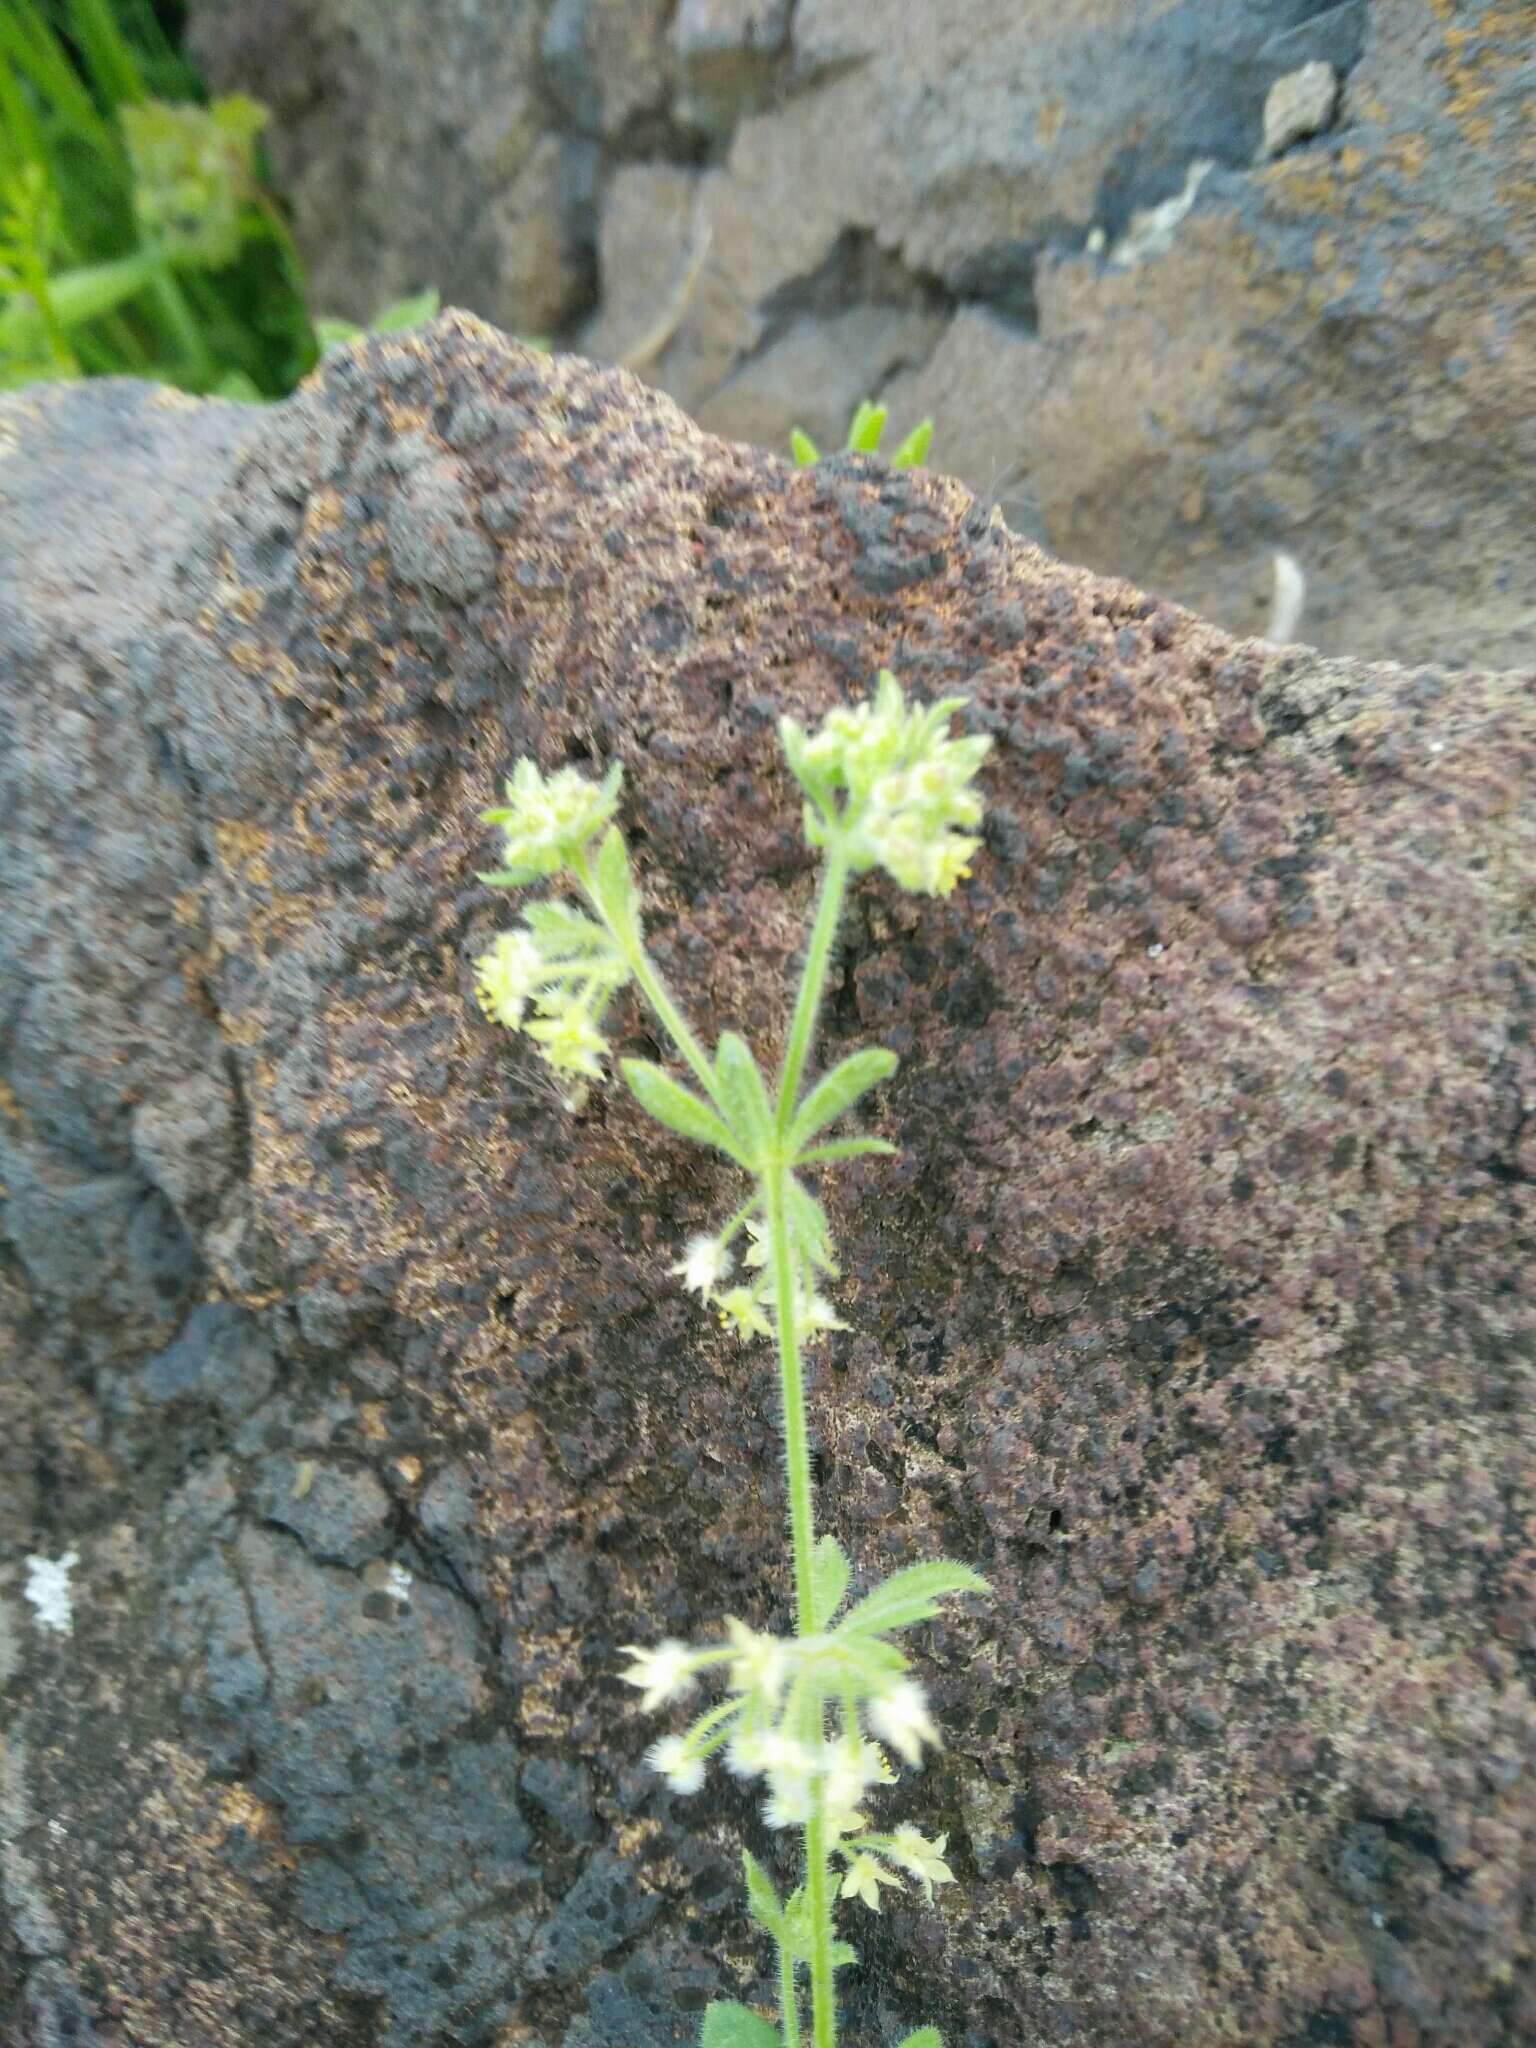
(797, 1451)
(829, 908)
(654, 989)
(802, 1537)
(789, 2011)
(797, 1448)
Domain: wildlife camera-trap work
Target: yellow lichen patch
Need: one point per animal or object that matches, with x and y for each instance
(558, 1665)
(324, 512)
(1048, 125)
(406, 419)
(1409, 153)
(168, 399)
(243, 848)
(373, 1421)
(1476, 57)
(328, 584)
(247, 655)
(1306, 184)
(240, 1808)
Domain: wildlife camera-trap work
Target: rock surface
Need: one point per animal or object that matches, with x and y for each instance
(775, 210)
(1197, 1308)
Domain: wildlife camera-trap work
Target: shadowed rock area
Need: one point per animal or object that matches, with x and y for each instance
(345, 1364)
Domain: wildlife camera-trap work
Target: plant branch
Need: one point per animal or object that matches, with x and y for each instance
(654, 989)
(829, 908)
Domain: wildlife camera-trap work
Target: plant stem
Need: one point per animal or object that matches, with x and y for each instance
(823, 2000)
(802, 1537)
(829, 908)
(797, 1455)
(797, 1449)
(789, 2011)
(655, 990)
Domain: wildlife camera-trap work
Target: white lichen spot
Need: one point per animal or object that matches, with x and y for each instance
(1152, 228)
(47, 1591)
(1289, 600)
(398, 1583)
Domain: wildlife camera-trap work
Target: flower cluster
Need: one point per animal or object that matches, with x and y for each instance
(746, 1304)
(555, 974)
(816, 1717)
(565, 968)
(194, 170)
(887, 783)
(548, 821)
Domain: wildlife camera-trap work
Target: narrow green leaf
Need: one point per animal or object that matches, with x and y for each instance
(762, 1900)
(840, 1090)
(797, 1925)
(844, 1955)
(846, 1148)
(728, 2025)
(803, 448)
(616, 890)
(809, 1226)
(744, 1095)
(404, 313)
(910, 1596)
(673, 1106)
(568, 934)
(866, 428)
(914, 450)
(333, 332)
(925, 2037)
(830, 1572)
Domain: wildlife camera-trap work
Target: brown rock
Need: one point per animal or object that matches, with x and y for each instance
(1196, 1310)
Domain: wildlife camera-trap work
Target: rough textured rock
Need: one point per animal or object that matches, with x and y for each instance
(1197, 1308)
(773, 211)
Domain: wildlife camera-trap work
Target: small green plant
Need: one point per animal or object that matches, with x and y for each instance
(866, 430)
(393, 319)
(821, 1716)
(136, 237)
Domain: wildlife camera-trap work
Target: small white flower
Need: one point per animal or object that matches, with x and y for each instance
(817, 1313)
(740, 1308)
(760, 1664)
(507, 976)
(48, 1591)
(704, 1264)
(744, 1755)
(663, 1674)
(684, 1773)
(901, 1718)
(925, 1859)
(790, 1768)
(864, 1879)
(754, 1752)
(790, 1802)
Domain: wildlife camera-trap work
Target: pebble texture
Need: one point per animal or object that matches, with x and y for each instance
(775, 210)
(1196, 1309)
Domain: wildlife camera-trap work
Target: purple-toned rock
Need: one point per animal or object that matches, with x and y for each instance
(1196, 1311)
